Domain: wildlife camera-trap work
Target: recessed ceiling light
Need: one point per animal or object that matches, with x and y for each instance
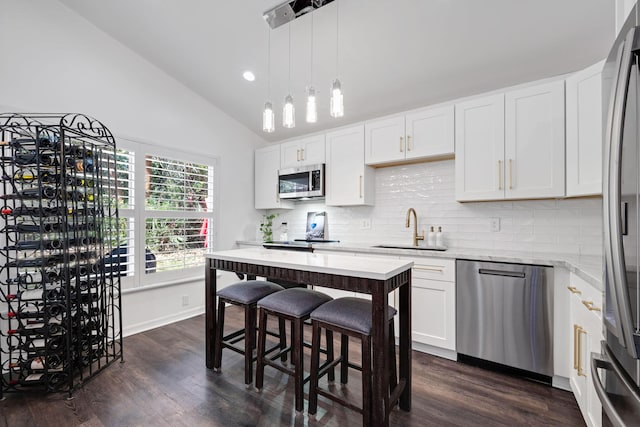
(249, 76)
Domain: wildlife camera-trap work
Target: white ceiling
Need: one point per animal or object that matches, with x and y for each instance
(394, 55)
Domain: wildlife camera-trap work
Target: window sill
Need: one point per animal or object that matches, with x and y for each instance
(164, 284)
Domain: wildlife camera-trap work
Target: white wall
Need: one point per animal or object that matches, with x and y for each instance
(572, 226)
(55, 61)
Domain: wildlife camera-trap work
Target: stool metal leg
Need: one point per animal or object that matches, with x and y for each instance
(283, 338)
(315, 367)
(217, 359)
(262, 338)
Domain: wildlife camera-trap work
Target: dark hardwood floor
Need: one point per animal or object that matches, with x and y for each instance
(164, 382)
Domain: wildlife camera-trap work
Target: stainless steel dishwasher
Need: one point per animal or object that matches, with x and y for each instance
(505, 314)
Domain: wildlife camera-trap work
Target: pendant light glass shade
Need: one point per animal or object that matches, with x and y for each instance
(312, 108)
(337, 103)
(268, 118)
(288, 113)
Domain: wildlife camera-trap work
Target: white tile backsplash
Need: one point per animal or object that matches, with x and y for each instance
(561, 226)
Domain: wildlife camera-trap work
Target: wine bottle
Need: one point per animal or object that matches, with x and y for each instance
(27, 176)
(37, 211)
(37, 311)
(80, 196)
(34, 278)
(50, 261)
(40, 346)
(80, 182)
(44, 141)
(43, 192)
(38, 363)
(40, 294)
(48, 329)
(51, 381)
(25, 158)
(36, 244)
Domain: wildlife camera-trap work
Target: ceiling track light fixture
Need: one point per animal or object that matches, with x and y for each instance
(289, 111)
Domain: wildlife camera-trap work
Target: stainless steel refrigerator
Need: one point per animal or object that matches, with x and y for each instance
(616, 371)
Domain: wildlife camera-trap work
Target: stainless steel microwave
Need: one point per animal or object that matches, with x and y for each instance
(301, 182)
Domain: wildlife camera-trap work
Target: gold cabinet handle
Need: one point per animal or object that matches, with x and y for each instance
(298, 154)
(590, 306)
(427, 267)
(510, 174)
(581, 372)
(408, 142)
(499, 174)
(575, 346)
(302, 154)
(401, 144)
(361, 186)
(574, 290)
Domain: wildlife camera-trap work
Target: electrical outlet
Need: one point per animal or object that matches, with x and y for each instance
(365, 224)
(185, 300)
(494, 224)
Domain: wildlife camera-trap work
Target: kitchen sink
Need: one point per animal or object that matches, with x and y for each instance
(419, 248)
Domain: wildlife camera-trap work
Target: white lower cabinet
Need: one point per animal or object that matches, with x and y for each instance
(433, 320)
(586, 335)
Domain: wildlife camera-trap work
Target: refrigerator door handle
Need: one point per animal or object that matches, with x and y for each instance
(615, 254)
(608, 362)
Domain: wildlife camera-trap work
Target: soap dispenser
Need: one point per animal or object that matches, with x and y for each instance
(439, 238)
(431, 237)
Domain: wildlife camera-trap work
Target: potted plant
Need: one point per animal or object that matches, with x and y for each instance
(266, 227)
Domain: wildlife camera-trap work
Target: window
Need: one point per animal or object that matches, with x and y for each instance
(166, 214)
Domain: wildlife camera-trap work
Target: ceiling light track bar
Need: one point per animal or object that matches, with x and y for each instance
(288, 11)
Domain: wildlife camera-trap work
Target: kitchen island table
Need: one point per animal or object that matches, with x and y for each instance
(374, 276)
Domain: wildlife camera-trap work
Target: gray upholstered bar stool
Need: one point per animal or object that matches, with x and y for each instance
(351, 317)
(245, 294)
(295, 305)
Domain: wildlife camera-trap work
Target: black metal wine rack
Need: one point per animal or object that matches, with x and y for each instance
(60, 304)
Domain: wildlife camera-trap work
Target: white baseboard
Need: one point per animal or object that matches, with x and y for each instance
(561, 382)
(162, 321)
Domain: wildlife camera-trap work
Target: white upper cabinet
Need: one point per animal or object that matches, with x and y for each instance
(534, 142)
(384, 140)
(430, 133)
(479, 133)
(511, 146)
(422, 134)
(584, 132)
(267, 163)
(305, 151)
(348, 181)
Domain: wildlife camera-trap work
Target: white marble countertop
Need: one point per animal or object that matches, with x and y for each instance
(588, 267)
(332, 263)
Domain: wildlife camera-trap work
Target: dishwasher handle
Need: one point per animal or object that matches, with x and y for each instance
(503, 273)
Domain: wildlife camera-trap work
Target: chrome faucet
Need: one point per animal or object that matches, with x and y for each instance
(416, 236)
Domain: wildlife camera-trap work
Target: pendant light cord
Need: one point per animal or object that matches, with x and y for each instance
(337, 35)
(289, 58)
(311, 61)
(269, 65)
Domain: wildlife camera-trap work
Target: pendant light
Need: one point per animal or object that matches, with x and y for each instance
(268, 118)
(337, 102)
(312, 107)
(288, 111)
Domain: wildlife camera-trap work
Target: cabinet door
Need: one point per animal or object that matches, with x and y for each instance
(578, 378)
(594, 408)
(584, 132)
(290, 154)
(312, 150)
(479, 135)
(267, 163)
(534, 142)
(384, 141)
(429, 133)
(433, 315)
(348, 181)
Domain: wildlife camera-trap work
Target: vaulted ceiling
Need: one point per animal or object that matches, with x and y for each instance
(392, 55)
